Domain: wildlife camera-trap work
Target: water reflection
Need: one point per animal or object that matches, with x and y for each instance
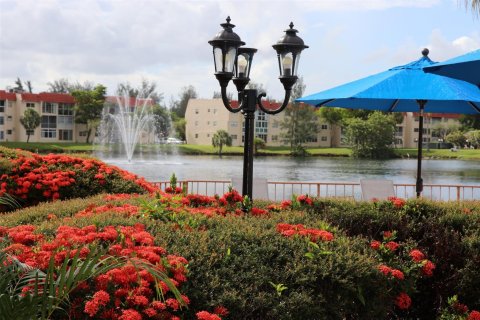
(160, 168)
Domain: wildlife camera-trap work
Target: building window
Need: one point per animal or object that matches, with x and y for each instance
(233, 124)
(65, 135)
(208, 110)
(415, 130)
(196, 111)
(275, 124)
(49, 107)
(324, 138)
(214, 123)
(30, 105)
(2, 136)
(274, 138)
(9, 118)
(83, 133)
(49, 127)
(2, 120)
(399, 131)
(234, 137)
(208, 135)
(324, 127)
(29, 132)
(9, 131)
(208, 123)
(65, 109)
(196, 135)
(65, 120)
(2, 105)
(214, 111)
(262, 136)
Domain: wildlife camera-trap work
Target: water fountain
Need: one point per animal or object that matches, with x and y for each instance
(127, 121)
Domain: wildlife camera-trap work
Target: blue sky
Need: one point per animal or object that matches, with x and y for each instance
(115, 41)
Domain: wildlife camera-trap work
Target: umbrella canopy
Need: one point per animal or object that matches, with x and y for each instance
(404, 88)
(465, 67)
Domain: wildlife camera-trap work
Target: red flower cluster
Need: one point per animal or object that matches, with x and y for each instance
(397, 202)
(231, 198)
(289, 230)
(258, 212)
(39, 178)
(127, 292)
(403, 301)
(305, 200)
(177, 190)
(126, 209)
(474, 315)
(395, 273)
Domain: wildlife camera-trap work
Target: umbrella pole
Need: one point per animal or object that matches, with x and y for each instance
(419, 184)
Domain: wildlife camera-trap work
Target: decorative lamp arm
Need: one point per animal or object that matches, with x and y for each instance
(288, 82)
(286, 100)
(224, 78)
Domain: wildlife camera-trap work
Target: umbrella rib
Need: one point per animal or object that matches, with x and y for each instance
(393, 106)
(322, 104)
(474, 106)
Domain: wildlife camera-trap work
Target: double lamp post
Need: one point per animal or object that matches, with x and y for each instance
(232, 61)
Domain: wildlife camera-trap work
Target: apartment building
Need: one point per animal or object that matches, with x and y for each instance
(204, 117)
(57, 117)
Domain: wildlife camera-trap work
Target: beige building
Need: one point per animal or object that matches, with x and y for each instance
(204, 117)
(56, 112)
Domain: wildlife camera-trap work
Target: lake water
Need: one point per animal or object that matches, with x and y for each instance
(161, 167)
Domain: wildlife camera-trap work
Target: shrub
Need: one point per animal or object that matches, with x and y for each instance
(36, 178)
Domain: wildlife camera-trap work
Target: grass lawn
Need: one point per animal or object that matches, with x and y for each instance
(43, 147)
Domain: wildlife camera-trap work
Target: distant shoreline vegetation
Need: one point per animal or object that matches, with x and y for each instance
(186, 149)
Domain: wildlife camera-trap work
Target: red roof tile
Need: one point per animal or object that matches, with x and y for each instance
(4, 95)
(269, 105)
(56, 97)
(132, 102)
(31, 97)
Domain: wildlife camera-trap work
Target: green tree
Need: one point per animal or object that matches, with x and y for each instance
(180, 106)
(258, 143)
(89, 107)
(221, 138)
(334, 117)
(147, 89)
(441, 130)
(63, 85)
(300, 122)
(30, 121)
(456, 138)
(474, 138)
(162, 121)
(371, 138)
(470, 122)
(180, 124)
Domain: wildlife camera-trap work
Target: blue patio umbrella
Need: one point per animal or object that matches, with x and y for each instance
(404, 88)
(465, 67)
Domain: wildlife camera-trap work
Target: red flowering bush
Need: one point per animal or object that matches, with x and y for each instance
(401, 266)
(35, 178)
(124, 292)
(314, 235)
(458, 311)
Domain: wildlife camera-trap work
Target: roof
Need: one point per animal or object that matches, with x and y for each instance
(48, 97)
(4, 95)
(132, 102)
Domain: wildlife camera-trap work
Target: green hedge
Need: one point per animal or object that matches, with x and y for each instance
(449, 232)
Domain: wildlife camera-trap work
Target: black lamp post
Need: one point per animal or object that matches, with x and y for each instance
(232, 61)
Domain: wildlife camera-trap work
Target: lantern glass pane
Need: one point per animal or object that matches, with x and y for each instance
(242, 65)
(230, 59)
(295, 67)
(286, 64)
(217, 56)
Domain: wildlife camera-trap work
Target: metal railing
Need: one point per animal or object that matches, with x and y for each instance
(281, 190)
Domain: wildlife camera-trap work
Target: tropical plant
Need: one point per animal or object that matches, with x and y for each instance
(371, 138)
(30, 121)
(221, 138)
(456, 138)
(300, 122)
(258, 144)
(89, 107)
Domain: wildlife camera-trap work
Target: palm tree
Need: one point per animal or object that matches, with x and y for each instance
(474, 6)
(221, 138)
